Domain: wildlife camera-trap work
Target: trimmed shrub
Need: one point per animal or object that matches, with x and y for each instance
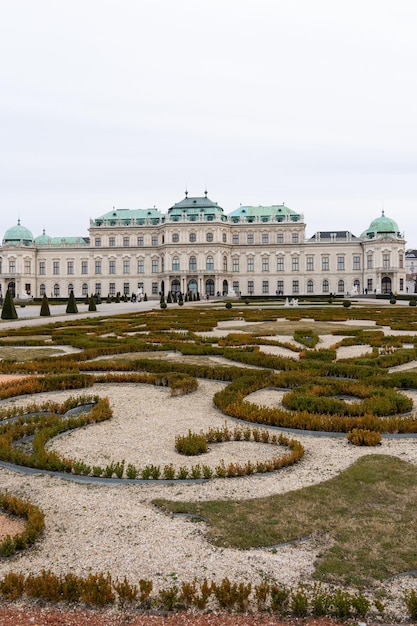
(228, 305)
(393, 301)
(412, 303)
(363, 437)
(92, 304)
(72, 305)
(191, 444)
(45, 312)
(347, 303)
(9, 311)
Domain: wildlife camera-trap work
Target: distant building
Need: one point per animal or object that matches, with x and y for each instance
(411, 269)
(197, 247)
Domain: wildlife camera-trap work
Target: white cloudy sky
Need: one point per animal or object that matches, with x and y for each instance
(127, 103)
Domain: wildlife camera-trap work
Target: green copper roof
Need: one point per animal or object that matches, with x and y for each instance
(18, 234)
(43, 239)
(196, 208)
(382, 226)
(276, 212)
(127, 217)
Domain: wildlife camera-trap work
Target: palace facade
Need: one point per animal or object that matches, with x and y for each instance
(196, 247)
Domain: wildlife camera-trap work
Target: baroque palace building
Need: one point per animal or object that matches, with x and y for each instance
(197, 247)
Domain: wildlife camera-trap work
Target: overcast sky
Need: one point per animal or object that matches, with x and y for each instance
(128, 103)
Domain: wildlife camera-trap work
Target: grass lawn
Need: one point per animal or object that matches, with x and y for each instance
(364, 519)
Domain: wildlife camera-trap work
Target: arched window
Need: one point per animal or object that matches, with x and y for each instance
(84, 289)
(209, 263)
(210, 287)
(310, 286)
(176, 264)
(341, 286)
(356, 286)
(325, 286)
(70, 288)
(42, 290)
(56, 290)
(193, 264)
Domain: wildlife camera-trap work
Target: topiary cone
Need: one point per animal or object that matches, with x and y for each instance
(92, 304)
(45, 312)
(72, 305)
(8, 311)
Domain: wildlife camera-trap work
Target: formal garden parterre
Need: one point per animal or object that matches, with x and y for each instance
(362, 398)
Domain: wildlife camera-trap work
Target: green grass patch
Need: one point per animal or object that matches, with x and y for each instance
(363, 519)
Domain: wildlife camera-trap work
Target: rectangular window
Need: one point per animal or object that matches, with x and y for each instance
(340, 263)
(98, 242)
(140, 241)
(369, 284)
(325, 265)
(126, 289)
(235, 286)
(98, 289)
(295, 237)
(356, 262)
(401, 262)
(235, 239)
(154, 240)
(250, 287)
(280, 287)
(126, 266)
(126, 242)
(112, 289)
(235, 265)
(265, 239)
(154, 289)
(265, 286)
(401, 284)
(265, 265)
(42, 268)
(112, 242)
(27, 267)
(385, 261)
(98, 267)
(141, 266)
(55, 267)
(140, 286)
(370, 262)
(295, 286)
(250, 265)
(70, 267)
(84, 267)
(155, 266)
(12, 266)
(112, 267)
(310, 264)
(280, 264)
(295, 264)
(175, 264)
(250, 238)
(280, 238)
(175, 238)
